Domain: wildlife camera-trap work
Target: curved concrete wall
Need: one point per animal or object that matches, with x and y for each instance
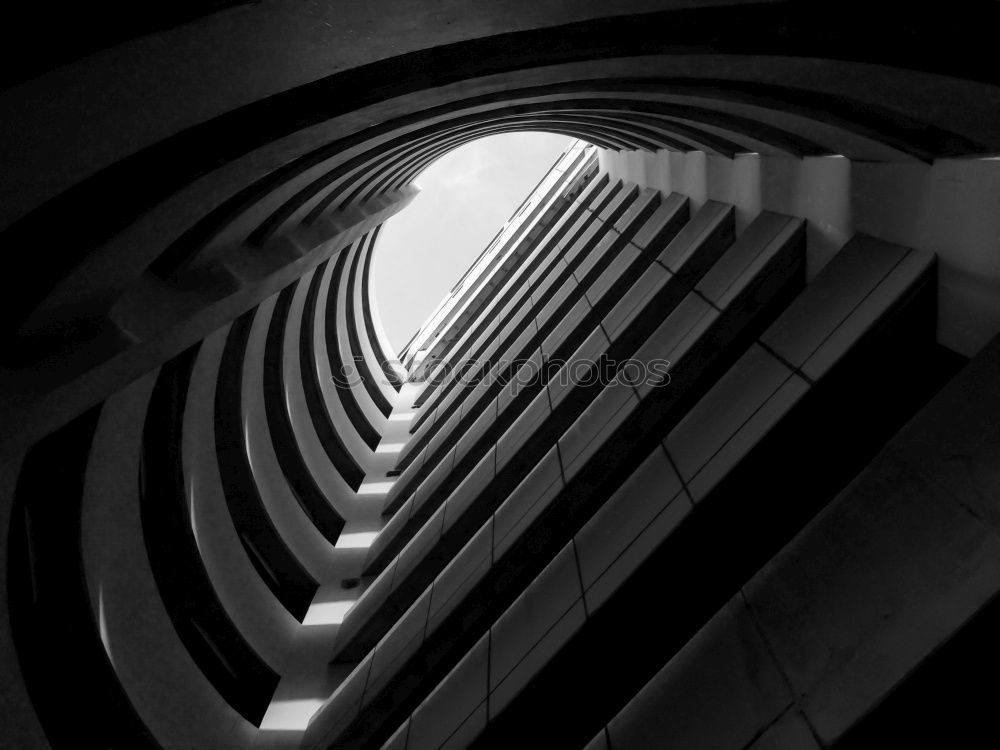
(627, 80)
(272, 143)
(161, 679)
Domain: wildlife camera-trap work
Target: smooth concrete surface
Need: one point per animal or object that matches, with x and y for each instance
(947, 207)
(253, 52)
(348, 433)
(769, 231)
(267, 626)
(164, 684)
(718, 692)
(819, 636)
(344, 298)
(367, 350)
(314, 552)
(847, 611)
(41, 396)
(244, 128)
(334, 487)
(897, 564)
(814, 188)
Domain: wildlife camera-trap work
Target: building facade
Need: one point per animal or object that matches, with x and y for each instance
(701, 451)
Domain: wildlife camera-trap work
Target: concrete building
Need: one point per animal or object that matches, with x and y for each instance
(703, 451)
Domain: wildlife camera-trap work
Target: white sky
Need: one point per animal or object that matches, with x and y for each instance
(465, 197)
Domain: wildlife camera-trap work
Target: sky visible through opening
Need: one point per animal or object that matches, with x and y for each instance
(465, 198)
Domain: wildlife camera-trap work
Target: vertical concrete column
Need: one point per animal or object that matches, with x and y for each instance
(736, 181)
(817, 188)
